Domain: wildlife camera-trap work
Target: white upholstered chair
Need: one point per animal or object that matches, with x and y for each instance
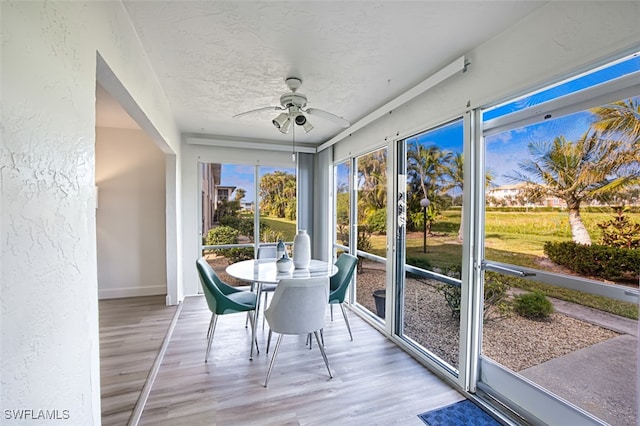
(298, 306)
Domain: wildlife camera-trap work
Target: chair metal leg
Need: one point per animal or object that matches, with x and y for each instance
(246, 321)
(210, 325)
(273, 359)
(266, 297)
(254, 321)
(212, 329)
(255, 339)
(331, 309)
(346, 320)
(269, 340)
(324, 355)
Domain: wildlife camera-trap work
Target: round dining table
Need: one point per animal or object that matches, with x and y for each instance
(264, 271)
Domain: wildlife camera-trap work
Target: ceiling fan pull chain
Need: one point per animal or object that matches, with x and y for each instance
(293, 152)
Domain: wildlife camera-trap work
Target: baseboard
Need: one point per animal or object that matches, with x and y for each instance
(115, 293)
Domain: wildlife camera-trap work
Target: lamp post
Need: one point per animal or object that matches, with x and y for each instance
(424, 203)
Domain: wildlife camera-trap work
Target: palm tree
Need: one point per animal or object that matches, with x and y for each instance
(372, 182)
(619, 120)
(425, 169)
(426, 166)
(578, 172)
(454, 171)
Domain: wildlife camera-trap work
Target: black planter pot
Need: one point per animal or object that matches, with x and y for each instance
(380, 296)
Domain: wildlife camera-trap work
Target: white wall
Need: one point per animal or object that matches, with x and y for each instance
(555, 41)
(49, 316)
(130, 218)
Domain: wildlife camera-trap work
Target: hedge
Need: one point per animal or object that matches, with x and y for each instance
(609, 263)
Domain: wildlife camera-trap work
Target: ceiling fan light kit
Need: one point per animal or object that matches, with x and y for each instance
(282, 122)
(293, 103)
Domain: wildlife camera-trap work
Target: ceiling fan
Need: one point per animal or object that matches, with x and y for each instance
(293, 106)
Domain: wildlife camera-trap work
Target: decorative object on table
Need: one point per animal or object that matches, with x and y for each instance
(301, 250)
(281, 250)
(283, 264)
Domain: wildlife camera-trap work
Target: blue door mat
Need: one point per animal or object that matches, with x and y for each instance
(463, 413)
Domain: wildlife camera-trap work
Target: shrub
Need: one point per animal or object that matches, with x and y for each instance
(270, 235)
(290, 211)
(238, 254)
(610, 263)
(533, 305)
(228, 235)
(496, 305)
(222, 235)
(620, 231)
(377, 221)
(243, 225)
(452, 295)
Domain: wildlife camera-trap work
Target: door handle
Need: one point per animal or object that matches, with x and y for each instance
(504, 270)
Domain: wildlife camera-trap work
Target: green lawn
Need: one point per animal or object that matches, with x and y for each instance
(285, 226)
(516, 238)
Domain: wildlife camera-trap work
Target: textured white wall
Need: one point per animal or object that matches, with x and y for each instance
(130, 219)
(49, 316)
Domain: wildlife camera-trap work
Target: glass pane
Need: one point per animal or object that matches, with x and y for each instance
(228, 205)
(562, 199)
(621, 68)
(433, 241)
(342, 208)
(371, 211)
(229, 209)
(278, 204)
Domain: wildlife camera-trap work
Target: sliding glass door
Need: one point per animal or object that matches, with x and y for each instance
(515, 261)
(430, 263)
(369, 231)
(560, 228)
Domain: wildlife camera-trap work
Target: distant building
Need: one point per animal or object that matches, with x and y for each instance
(515, 196)
(212, 193)
(210, 175)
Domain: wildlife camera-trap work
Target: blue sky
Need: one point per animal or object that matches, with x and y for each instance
(243, 176)
(503, 151)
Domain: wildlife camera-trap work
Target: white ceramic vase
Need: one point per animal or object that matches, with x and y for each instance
(301, 250)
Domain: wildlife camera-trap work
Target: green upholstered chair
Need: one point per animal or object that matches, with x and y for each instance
(222, 299)
(339, 284)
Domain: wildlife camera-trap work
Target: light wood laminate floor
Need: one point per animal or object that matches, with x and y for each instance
(375, 383)
(131, 333)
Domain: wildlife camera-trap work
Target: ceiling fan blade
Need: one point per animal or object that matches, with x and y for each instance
(328, 116)
(269, 108)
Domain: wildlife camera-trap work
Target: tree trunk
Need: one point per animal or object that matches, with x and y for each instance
(460, 229)
(578, 230)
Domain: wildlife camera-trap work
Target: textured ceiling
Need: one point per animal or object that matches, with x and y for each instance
(217, 59)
